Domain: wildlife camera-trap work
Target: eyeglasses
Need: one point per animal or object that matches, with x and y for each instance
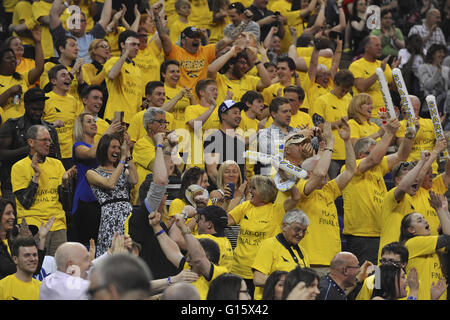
(45, 140)
(390, 261)
(104, 46)
(162, 122)
(353, 267)
(91, 292)
(298, 230)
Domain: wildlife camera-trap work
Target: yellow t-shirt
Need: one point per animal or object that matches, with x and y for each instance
(273, 256)
(149, 62)
(363, 197)
(200, 15)
(271, 92)
(392, 213)
(65, 108)
(226, 251)
(143, 153)
(9, 5)
(358, 131)
(313, 91)
(14, 110)
(136, 129)
(202, 284)
(363, 69)
(85, 9)
(322, 241)
(249, 127)
(332, 109)
(176, 27)
(180, 108)
(42, 9)
(90, 74)
(423, 257)
(256, 224)
(46, 203)
(125, 91)
(23, 13)
(25, 65)
(209, 126)
(193, 67)
(102, 126)
(11, 288)
(422, 205)
(424, 140)
(238, 87)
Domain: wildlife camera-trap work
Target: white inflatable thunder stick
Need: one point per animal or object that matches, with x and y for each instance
(280, 164)
(404, 98)
(386, 94)
(437, 126)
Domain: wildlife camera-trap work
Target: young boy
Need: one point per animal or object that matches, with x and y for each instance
(183, 9)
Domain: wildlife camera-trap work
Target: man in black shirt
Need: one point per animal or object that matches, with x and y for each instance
(13, 137)
(225, 144)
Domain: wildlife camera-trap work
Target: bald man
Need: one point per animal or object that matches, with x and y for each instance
(344, 268)
(429, 31)
(69, 282)
(181, 291)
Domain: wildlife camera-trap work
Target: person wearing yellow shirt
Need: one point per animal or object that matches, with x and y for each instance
(425, 136)
(259, 218)
(153, 122)
(427, 183)
(23, 64)
(360, 118)
(236, 63)
(283, 251)
(155, 97)
(398, 201)
(392, 253)
(61, 109)
(13, 84)
(204, 254)
(423, 249)
(41, 187)
(200, 119)
(364, 195)
(364, 71)
(183, 10)
(296, 97)
(67, 49)
(41, 11)
(332, 107)
(149, 57)
(92, 97)
(21, 285)
(22, 22)
(194, 58)
(124, 79)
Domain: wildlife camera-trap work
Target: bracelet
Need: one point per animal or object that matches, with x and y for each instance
(257, 62)
(159, 232)
(159, 146)
(328, 149)
(122, 162)
(412, 298)
(168, 281)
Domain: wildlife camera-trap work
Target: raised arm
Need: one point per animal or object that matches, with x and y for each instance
(35, 74)
(219, 62)
(55, 12)
(350, 159)
(163, 36)
(411, 177)
(105, 16)
(440, 146)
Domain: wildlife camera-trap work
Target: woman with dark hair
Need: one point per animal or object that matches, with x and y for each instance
(110, 185)
(273, 289)
(393, 283)
(23, 64)
(308, 276)
(85, 209)
(228, 286)
(7, 224)
(13, 84)
(434, 77)
(357, 26)
(412, 57)
(423, 247)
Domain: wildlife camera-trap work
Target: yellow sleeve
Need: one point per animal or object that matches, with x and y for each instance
(133, 129)
(264, 258)
(421, 246)
(190, 114)
(238, 213)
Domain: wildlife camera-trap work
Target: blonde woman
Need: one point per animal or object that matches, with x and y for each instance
(359, 115)
(259, 218)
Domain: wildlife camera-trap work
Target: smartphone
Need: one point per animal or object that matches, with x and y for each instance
(334, 35)
(119, 115)
(231, 186)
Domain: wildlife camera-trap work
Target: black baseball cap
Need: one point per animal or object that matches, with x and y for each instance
(191, 32)
(228, 104)
(217, 216)
(34, 94)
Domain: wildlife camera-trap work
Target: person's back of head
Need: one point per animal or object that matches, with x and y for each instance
(181, 291)
(227, 286)
(124, 276)
(211, 249)
(306, 275)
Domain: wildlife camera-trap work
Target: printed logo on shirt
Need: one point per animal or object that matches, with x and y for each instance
(284, 259)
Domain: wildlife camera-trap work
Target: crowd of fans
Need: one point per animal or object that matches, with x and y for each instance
(224, 150)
